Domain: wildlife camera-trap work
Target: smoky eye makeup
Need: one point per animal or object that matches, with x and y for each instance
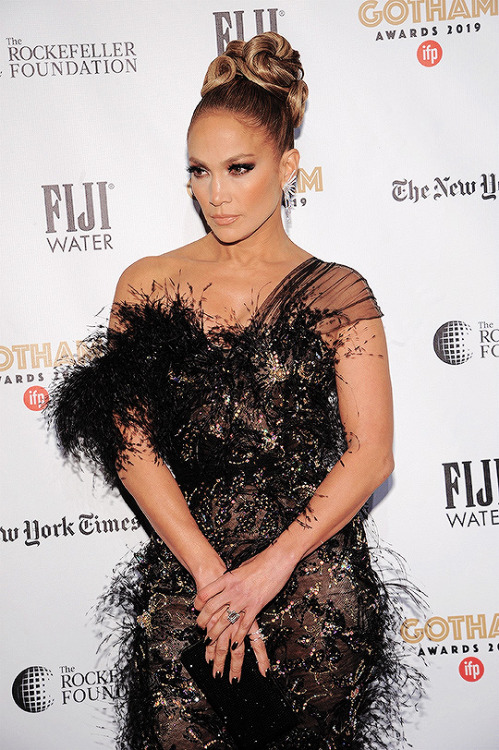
(195, 170)
(241, 167)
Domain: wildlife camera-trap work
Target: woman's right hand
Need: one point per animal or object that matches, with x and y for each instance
(225, 644)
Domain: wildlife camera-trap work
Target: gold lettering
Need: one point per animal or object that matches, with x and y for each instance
(305, 180)
(459, 10)
(411, 637)
(478, 626)
(483, 6)
(8, 358)
(375, 18)
(494, 628)
(416, 10)
(398, 17)
(436, 622)
(63, 355)
(435, 6)
(20, 350)
(39, 353)
(456, 621)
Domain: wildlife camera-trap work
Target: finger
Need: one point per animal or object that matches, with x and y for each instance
(208, 592)
(221, 649)
(258, 645)
(219, 623)
(243, 626)
(236, 660)
(210, 613)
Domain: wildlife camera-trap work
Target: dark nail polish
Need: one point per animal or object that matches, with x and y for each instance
(207, 640)
(235, 680)
(218, 675)
(234, 645)
(267, 672)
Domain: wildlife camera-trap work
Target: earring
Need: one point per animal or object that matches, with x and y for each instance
(288, 196)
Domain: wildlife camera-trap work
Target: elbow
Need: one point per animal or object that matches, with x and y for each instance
(386, 465)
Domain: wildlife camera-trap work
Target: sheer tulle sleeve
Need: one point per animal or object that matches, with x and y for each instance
(332, 295)
(344, 296)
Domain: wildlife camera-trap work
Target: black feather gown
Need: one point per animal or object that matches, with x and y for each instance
(247, 420)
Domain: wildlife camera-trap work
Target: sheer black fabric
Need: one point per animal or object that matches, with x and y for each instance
(247, 420)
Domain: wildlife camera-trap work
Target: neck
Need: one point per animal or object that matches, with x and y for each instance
(268, 244)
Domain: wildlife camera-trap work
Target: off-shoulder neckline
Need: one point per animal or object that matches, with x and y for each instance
(259, 306)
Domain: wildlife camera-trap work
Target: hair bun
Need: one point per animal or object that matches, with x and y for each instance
(269, 61)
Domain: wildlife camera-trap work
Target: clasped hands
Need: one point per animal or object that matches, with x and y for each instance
(245, 591)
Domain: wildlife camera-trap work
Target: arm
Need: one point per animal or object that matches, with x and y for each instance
(364, 393)
(150, 481)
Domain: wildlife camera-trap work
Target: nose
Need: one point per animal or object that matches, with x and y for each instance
(219, 191)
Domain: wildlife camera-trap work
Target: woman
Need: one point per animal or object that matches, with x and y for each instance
(243, 394)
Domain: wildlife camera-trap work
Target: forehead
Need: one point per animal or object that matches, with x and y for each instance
(220, 135)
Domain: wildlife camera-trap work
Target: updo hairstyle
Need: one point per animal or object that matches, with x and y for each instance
(260, 82)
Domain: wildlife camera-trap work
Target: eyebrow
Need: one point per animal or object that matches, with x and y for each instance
(238, 157)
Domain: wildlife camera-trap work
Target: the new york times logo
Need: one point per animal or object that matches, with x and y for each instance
(443, 187)
(231, 25)
(73, 228)
(470, 492)
(83, 58)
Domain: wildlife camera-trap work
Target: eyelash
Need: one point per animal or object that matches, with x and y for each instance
(235, 169)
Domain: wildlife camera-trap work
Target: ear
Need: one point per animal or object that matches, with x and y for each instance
(288, 166)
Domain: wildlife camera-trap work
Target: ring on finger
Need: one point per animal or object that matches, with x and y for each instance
(232, 616)
(256, 636)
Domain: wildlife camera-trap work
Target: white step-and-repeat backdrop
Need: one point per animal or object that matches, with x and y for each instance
(399, 178)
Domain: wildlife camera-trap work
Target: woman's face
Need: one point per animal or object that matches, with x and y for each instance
(236, 176)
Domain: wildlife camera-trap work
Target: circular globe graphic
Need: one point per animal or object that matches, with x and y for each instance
(449, 342)
(30, 689)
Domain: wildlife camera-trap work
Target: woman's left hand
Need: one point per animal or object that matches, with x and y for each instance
(245, 591)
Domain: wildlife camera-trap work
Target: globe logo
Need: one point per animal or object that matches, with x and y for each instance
(449, 342)
(30, 689)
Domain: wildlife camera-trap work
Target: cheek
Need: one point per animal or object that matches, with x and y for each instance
(264, 192)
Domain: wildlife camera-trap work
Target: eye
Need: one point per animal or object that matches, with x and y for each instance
(196, 171)
(240, 169)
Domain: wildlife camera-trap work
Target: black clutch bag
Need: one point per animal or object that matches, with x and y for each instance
(254, 710)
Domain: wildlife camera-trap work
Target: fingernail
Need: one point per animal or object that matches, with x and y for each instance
(234, 645)
(267, 672)
(235, 680)
(218, 675)
(207, 640)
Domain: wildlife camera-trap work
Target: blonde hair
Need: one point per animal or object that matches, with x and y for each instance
(260, 82)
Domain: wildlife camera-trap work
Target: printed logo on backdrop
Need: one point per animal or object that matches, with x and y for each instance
(26, 364)
(35, 689)
(455, 342)
(486, 187)
(307, 182)
(31, 689)
(471, 491)
(77, 216)
(237, 24)
(26, 59)
(425, 19)
(455, 635)
(34, 532)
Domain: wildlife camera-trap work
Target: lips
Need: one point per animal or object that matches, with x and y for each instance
(223, 219)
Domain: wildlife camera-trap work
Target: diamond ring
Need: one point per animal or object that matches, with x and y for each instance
(232, 616)
(257, 636)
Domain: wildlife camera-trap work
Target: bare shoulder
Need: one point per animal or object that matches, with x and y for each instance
(150, 274)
